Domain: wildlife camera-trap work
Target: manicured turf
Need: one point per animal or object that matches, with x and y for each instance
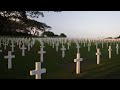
(61, 68)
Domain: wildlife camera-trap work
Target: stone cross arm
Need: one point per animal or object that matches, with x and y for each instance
(78, 60)
(34, 72)
(98, 53)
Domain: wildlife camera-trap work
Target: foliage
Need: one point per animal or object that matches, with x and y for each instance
(10, 21)
(51, 34)
(62, 35)
(48, 34)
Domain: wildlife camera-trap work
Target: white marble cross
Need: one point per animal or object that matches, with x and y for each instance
(42, 45)
(84, 44)
(41, 52)
(12, 46)
(117, 47)
(29, 45)
(98, 56)
(89, 47)
(19, 44)
(38, 71)
(23, 49)
(78, 60)
(68, 44)
(109, 51)
(63, 51)
(53, 44)
(56, 46)
(17, 41)
(5, 44)
(78, 47)
(9, 57)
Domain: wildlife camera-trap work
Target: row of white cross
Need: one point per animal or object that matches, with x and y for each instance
(38, 71)
(78, 59)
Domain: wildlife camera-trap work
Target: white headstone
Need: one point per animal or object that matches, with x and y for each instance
(98, 56)
(5, 44)
(41, 52)
(78, 60)
(89, 47)
(109, 51)
(84, 44)
(29, 45)
(63, 51)
(38, 71)
(12, 46)
(42, 45)
(23, 50)
(78, 47)
(17, 41)
(117, 47)
(56, 46)
(68, 44)
(53, 44)
(19, 44)
(9, 57)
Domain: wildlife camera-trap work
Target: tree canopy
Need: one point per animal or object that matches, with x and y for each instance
(51, 34)
(62, 35)
(18, 21)
(22, 23)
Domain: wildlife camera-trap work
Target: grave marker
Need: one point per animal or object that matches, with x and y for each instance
(78, 60)
(38, 71)
(117, 47)
(41, 52)
(77, 48)
(98, 56)
(12, 46)
(56, 46)
(63, 51)
(9, 57)
(109, 51)
(23, 50)
(89, 47)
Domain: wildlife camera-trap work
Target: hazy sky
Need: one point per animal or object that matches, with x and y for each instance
(83, 24)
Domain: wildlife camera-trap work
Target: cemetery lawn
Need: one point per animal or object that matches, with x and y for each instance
(61, 68)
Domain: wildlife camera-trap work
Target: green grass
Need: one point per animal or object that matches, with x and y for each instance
(61, 68)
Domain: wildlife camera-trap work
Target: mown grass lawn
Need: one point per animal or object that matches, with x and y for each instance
(61, 68)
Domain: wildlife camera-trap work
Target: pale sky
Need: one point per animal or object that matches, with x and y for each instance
(83, 24)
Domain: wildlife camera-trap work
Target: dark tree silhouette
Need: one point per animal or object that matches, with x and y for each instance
(48, 34)
(18, 21)
(62, 35)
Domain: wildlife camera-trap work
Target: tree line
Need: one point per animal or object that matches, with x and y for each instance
(20, 23)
